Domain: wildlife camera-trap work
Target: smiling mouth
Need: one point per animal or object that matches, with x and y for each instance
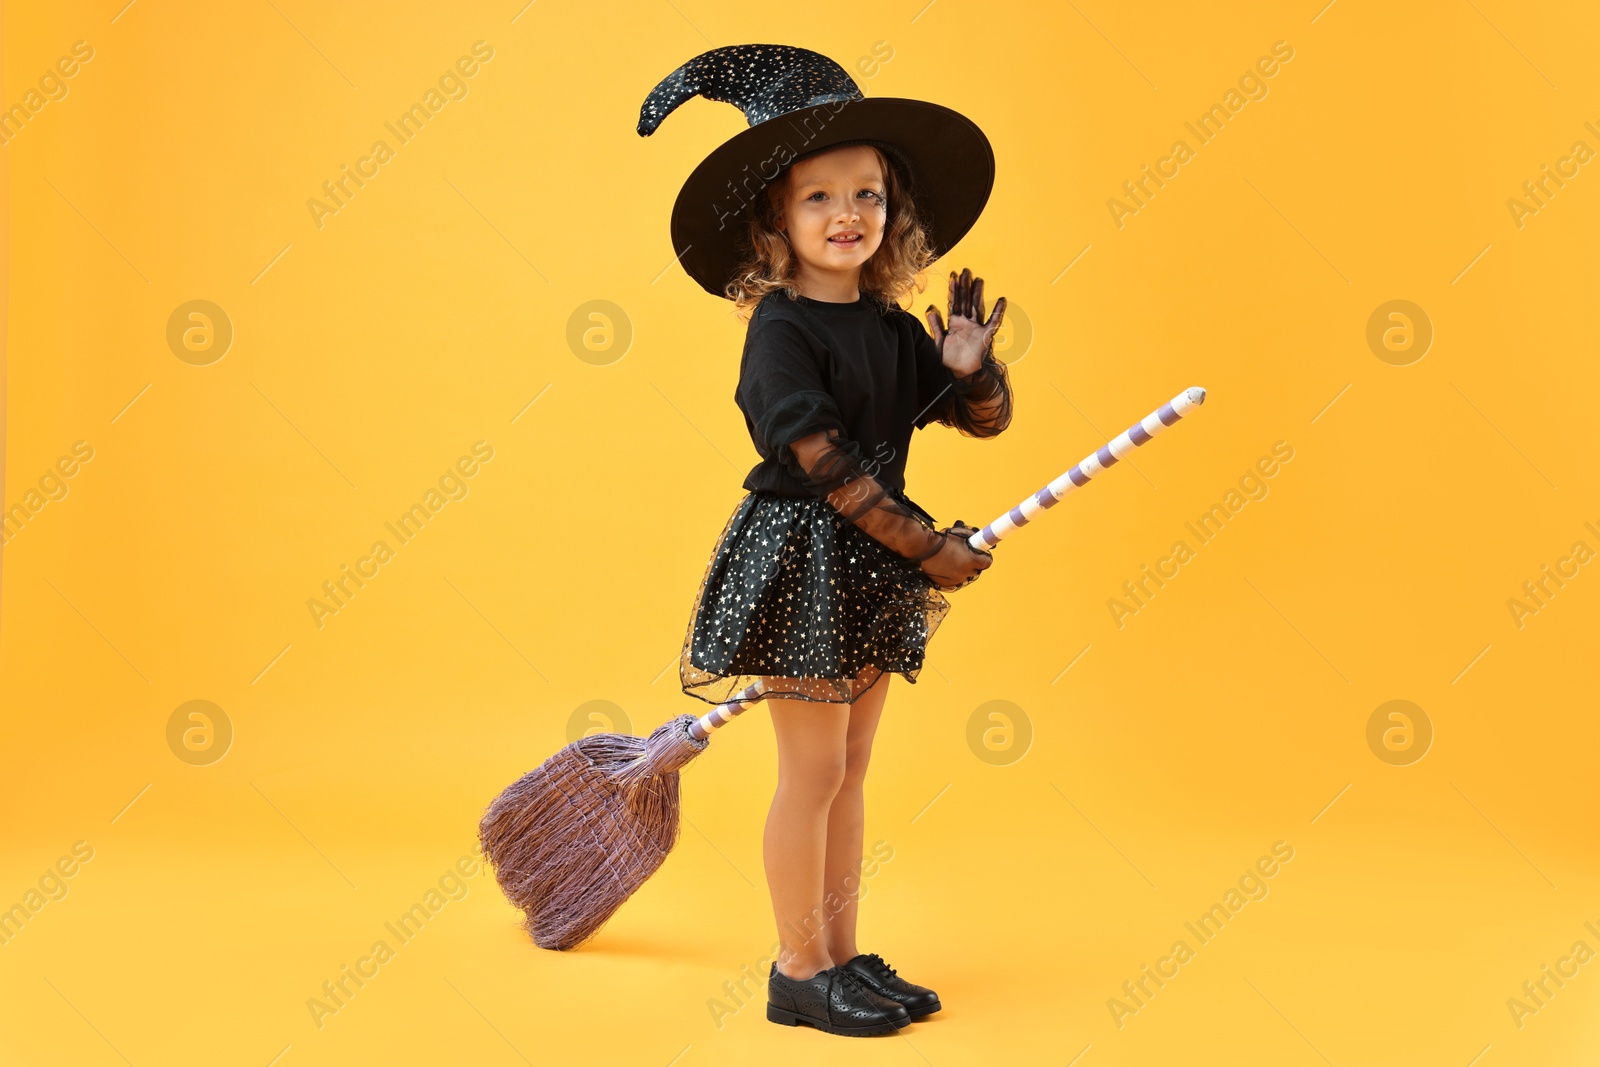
(849, 240)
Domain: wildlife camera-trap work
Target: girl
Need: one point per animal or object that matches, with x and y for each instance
(827, 578)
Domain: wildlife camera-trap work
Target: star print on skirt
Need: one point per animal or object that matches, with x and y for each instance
(798, 595)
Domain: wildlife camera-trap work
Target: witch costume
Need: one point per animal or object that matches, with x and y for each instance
(821, 599)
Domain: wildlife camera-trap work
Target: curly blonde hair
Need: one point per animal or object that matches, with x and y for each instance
(768, 263)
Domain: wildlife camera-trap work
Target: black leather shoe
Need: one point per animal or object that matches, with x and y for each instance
(833, 1002)
(881, 978)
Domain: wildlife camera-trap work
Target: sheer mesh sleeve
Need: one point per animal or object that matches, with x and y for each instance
(976, 406)
(831, 466)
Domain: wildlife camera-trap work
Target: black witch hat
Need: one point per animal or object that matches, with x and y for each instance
(798, 102)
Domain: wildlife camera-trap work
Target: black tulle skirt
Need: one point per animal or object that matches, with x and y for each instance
(798, 595)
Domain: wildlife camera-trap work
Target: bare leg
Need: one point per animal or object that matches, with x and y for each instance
(847, 821)
(811, 766)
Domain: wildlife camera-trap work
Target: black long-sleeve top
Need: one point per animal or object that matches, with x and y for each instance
(866, 369)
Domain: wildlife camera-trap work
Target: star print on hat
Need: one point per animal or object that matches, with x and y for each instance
(798, 102)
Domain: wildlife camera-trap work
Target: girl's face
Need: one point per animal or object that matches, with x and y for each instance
(833, 214)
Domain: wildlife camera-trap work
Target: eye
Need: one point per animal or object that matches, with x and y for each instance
(814, 195)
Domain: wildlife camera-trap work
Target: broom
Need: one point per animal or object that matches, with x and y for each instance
(572, 839)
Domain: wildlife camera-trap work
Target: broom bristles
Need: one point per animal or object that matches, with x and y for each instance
(572, 839)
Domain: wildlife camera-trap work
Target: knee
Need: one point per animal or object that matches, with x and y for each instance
(816, 781)
(854, 772)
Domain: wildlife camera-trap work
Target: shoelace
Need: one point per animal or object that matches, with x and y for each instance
(842, 975)
(881, 965)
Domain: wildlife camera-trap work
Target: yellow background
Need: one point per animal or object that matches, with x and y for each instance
(427, 314)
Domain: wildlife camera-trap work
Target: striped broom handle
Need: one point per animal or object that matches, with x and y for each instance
(990, 535)
(724, 713)
(1093, 464)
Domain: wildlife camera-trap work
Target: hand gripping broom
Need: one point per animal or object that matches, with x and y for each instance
(572, 839)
